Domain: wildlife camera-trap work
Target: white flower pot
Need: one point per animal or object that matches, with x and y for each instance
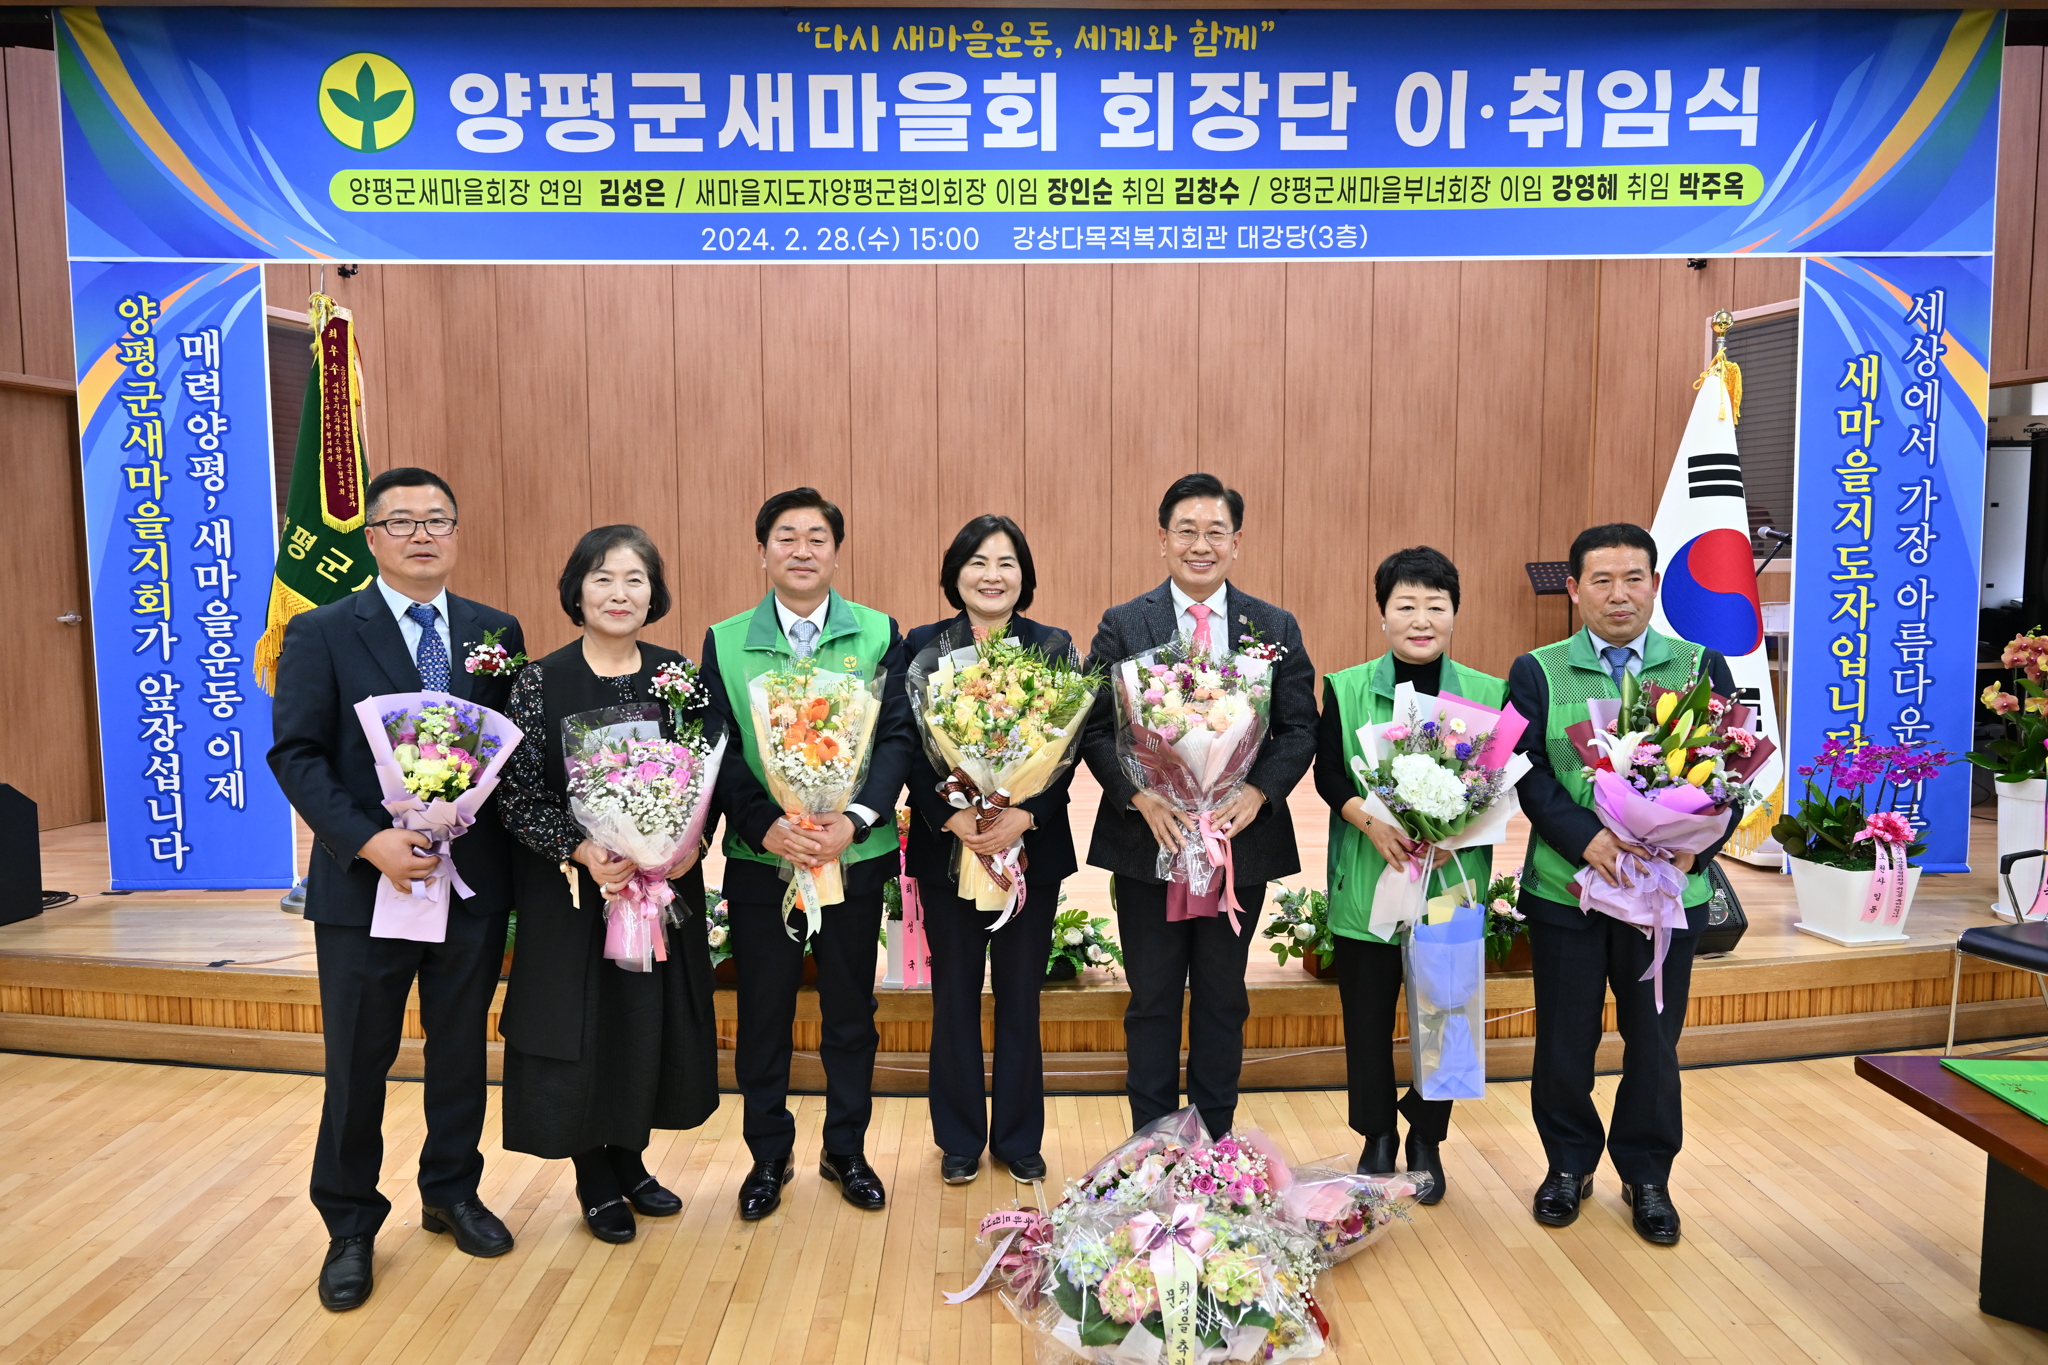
(893, 975)
(1831, 903)
(2020, 830)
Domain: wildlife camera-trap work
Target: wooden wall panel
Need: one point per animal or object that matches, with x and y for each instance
(2037, 303)
(1067, 416)
(44, 304)
(2019, 131)
(892, 502)
(716, 570)
(981, 396)
(1328, 555)
(1570, 317)
(1686, 299)
(1417, 386)
(10, 280)
(543, 439)
(1765, 279)
(1501, 307)
(805, 421)
(1155, 322)
(629, 316)
(1622, 481)
(1240, 410)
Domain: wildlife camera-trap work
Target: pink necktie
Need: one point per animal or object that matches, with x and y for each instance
(1200, 612)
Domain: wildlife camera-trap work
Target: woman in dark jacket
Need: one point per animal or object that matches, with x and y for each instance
(597, 1056)
(989, 576)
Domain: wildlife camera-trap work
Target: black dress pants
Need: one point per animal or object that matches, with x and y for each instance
(771, 967)
(1574, 967)
(1199, 964)
(364, 983)
(1368, 984)
(1012, 1123)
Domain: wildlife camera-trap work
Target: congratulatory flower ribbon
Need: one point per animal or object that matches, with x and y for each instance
(1005, 869)
(917, 953)
(1176, 1246)
(1028, 1230)
(1889, 835)
(644, 897)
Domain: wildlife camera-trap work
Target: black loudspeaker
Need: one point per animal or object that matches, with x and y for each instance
(21, 858)
(1726, 923)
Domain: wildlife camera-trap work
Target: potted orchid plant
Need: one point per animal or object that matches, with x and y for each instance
(1300, 927)
(2018, 760)
(1851, 846)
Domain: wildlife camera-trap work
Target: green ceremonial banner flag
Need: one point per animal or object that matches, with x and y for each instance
(321, 553)
(2023, 1085)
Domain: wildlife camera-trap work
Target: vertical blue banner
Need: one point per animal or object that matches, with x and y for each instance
(1893, 389)
(174, 418)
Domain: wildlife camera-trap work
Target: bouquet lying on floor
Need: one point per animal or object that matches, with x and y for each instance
(638, 796)
(1670, 770)
(438, 759)
(1183, 1249)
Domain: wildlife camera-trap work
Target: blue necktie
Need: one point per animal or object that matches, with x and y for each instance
(804, 635)
(432, 655)
(1617, 657)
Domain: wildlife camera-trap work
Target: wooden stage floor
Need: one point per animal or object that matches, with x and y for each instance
(159, 1214)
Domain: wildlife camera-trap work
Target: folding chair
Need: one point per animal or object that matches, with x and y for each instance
(2023, 946)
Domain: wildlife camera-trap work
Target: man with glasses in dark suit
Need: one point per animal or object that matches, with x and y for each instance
(1200, 531)
(405, 632)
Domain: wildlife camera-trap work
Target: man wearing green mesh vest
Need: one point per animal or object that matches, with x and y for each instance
(1577, 955)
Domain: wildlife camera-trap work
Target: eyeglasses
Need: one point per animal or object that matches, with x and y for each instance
(402, 528)
(1187, 538)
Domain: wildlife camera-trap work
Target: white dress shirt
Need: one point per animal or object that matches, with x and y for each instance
(1219, 617)
(817, 618)
(410, 629)
(1635, 650)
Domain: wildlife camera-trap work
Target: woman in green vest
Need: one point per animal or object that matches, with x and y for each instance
(1417, 590)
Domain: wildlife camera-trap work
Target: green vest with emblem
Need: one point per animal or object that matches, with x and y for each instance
(1576, 674)
(1365, 696)
(855, 640)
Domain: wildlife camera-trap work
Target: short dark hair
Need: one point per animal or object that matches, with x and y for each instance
(971, 538)
(1420, 565)
(1201, 486)
(772, 510)
(1616, 535)
(405, 476)
(590, 553)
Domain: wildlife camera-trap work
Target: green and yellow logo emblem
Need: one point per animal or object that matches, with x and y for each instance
(366, 101)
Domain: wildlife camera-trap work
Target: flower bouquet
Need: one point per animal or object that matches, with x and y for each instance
(1080, 941)
(438, 759)
(1300, 927)
(717, 927)
(1189, 728)
(814, 731)
(1670, 770)
(1003, 722)
(1446, 780)
(1836, 826)
(1505, 923)
(642, 797)
(1346, 1212)
(492, 659)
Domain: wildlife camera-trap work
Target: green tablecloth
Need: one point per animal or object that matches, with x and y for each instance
(2021, 1084)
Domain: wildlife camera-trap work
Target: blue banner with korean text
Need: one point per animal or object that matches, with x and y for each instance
(1028, 134)
(1893, 391)
(174, 420)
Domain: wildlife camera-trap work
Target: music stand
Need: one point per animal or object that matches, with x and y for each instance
(1546, 579)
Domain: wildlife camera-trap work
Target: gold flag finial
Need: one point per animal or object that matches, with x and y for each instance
(1730, 373)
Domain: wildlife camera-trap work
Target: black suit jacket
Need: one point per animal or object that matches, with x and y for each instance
(1122, 841)
(1561, 822)
(930, 851)
(750, 812)
(334, 656)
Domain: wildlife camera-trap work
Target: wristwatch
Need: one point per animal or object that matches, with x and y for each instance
(860, 826)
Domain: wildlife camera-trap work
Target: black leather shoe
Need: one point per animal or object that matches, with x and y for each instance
(761, 1191)
(957, 1170)
(611, 1221)
(650, 1199)
(1380, 1154)
(345, 1278)
(1656, 1220)
(1028, 1168)
(477, 1230)
(855, 1178)
(1424, 1156)
(1557, 1198)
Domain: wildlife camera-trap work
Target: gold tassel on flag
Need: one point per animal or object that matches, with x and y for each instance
(322, 555)
(1727, 370)
(1747, 837)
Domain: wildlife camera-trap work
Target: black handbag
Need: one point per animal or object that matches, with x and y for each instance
(1726, 923)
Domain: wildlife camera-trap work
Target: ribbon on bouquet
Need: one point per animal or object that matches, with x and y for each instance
(1025, 1230)
(1176, 1245)
(1651, 897)
(421, 913)
(803, 889)
(633, 914)
(1005, 869)
(917, 953)
(1888, 883)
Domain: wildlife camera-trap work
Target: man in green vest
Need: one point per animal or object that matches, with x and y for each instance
(1578, 955)
(799, 533)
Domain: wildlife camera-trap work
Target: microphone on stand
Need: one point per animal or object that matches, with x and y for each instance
(1771, 533)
